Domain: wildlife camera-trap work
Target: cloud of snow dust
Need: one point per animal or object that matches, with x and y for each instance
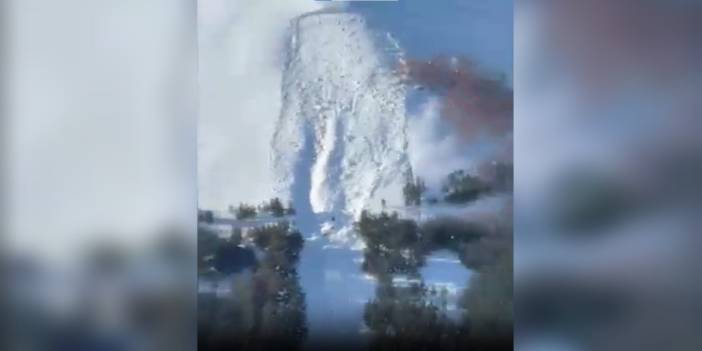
(464, 122)
(241, 61)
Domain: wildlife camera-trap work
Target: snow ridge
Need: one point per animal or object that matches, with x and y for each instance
(343, 116)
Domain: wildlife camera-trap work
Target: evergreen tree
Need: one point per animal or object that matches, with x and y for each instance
(245, 211)
(275, 207)
(462, 187)
(413, 190)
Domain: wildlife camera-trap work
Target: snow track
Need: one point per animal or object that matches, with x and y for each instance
(343, 115)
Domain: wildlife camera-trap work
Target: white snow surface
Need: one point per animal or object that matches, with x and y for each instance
(343, 118)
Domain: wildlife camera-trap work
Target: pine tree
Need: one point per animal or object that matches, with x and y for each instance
(413, 190)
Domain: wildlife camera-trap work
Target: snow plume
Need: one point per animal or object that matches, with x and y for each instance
(433, 151)
(242, 45)
(340, 145)
(473, 102)
(464, 120)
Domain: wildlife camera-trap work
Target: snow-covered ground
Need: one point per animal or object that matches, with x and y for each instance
(342, 117)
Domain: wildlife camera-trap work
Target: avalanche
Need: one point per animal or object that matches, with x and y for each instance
(340, 143)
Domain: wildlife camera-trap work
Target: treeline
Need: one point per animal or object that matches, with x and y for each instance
(460, 186)
(274, 207)
(266, 308)
(397, 245)
(281, 243)
(415, 316)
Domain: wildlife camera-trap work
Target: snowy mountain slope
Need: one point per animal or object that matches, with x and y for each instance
(342, 122)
